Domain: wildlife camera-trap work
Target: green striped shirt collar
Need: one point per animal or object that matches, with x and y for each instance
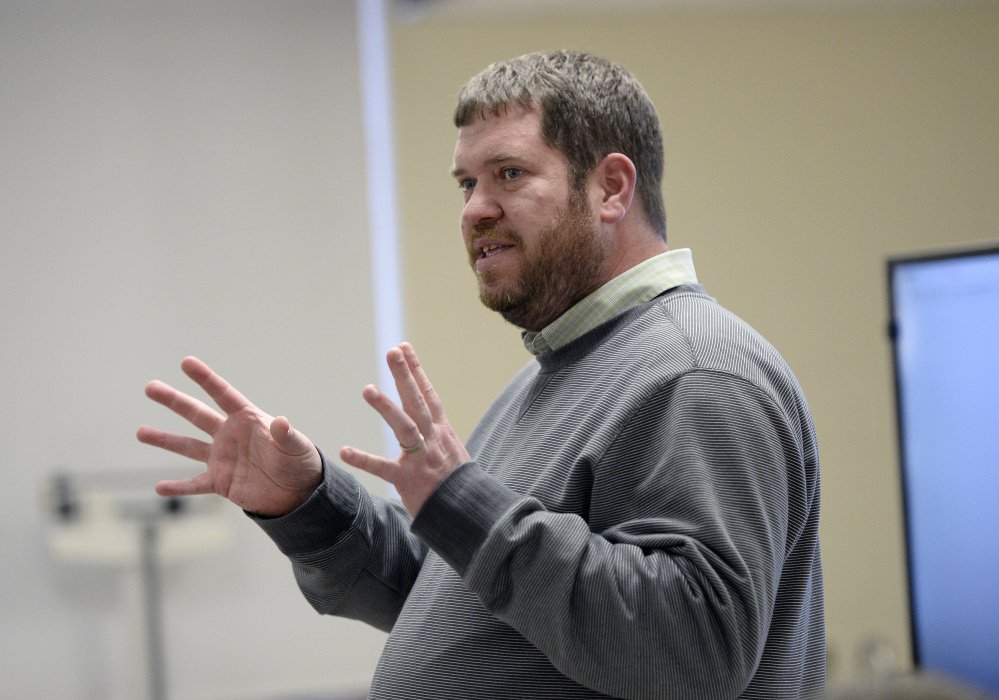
(635, 286)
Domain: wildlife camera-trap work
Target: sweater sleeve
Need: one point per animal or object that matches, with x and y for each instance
(666, 589)
(352, 553)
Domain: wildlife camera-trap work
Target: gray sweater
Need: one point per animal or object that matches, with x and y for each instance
(640, 521)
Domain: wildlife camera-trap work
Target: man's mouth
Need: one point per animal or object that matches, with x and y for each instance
(492, 249)
(488, 245)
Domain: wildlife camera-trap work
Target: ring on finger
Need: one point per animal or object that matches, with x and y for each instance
(415, 448)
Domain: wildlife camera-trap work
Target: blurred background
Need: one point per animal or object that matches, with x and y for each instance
(265, 184)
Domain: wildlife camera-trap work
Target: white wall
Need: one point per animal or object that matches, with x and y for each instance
(175, 177)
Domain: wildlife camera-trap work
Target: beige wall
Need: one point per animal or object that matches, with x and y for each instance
(802, 150)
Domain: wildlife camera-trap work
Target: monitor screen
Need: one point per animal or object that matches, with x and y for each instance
(945, 331)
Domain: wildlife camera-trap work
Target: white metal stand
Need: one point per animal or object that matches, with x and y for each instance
(114, 519)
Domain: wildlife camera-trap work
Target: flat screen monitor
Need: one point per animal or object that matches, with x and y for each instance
(945, 333)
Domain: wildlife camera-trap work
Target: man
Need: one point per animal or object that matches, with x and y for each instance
(637, 513)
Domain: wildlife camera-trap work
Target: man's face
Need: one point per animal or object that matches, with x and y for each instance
(532, 241)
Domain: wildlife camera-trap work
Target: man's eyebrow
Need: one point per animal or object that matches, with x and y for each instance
(495, 160)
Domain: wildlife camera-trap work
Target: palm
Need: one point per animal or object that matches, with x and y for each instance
(247, 466)
(259, 463)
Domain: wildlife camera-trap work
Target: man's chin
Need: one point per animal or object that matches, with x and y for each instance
(497, 301)
(500, 300)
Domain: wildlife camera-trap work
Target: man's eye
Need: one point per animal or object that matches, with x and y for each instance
(511, 173)
(466, 185)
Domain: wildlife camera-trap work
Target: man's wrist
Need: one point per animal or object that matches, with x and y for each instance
(456, 518)
(317, 523)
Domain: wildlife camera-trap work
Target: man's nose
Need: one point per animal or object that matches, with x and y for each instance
(481, 208)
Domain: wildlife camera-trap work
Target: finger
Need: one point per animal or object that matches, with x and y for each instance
(289, 440)
(434, 404)
(188, 407)
(194, 486)
(407, 432)
(412, 399)
(385, 469)
(178, 444)
(221, 391)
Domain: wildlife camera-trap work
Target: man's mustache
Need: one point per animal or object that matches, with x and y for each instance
(487, 230)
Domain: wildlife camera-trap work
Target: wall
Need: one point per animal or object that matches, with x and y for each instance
(175, 178)
(803, 147)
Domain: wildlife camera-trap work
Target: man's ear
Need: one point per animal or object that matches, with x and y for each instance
(616, 178)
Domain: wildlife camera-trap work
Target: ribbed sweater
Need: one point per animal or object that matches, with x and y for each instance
(640, 521)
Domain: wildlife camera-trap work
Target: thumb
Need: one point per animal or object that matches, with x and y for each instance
(289, 440)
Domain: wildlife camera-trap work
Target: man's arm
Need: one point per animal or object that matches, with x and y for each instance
(352, 554)
(674, 596)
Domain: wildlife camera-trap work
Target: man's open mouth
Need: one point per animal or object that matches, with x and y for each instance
(492, 249)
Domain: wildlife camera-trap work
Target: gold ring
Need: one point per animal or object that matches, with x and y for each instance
(415, 448)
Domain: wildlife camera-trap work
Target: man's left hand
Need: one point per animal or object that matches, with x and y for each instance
(430, 448)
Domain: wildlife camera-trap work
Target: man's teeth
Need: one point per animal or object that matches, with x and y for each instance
(489, 249)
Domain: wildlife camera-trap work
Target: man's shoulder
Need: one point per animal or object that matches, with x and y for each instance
(687, 319)
(687, 330)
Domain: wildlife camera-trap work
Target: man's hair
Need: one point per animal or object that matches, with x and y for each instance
(590, 107)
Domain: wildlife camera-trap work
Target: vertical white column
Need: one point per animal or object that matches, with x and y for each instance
(379, 148)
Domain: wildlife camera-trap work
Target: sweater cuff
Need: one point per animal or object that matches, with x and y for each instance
(318, 523)
(459, 514)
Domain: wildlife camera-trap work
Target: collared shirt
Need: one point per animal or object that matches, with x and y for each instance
(635, 286)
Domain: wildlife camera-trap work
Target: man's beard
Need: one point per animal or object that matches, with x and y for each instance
(565, 265)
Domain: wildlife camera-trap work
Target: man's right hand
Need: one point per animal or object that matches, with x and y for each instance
(260, 463)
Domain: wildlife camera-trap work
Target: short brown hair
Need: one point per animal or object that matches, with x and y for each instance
(590, 107)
